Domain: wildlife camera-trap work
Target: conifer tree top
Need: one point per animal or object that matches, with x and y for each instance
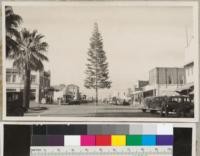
(97, 67)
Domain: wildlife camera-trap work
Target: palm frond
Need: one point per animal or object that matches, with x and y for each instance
(40, 56)
(11, 46)
(12, 19)
(39, 37)
(8, 10)
(36, 64)
(12, 22)
(12, 32)
(19, 64)
(31, 50)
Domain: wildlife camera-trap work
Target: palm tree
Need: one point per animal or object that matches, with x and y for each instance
(12, 22)
(29, 56)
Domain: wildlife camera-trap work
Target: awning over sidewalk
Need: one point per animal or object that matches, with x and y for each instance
(186, 89)
(169, 93)
(192, 93)
(51, 89)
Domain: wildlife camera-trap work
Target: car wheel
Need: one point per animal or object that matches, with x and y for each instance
(161, 112)
(178, 113)
(166, 112)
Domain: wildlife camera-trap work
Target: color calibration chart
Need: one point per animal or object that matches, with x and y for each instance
(107, 140)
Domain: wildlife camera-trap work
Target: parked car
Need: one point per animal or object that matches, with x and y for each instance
(181, 105)
(74, 102)
(153, 104)
(84, 101)
(126, 103)
(119, 101)
(14, 104)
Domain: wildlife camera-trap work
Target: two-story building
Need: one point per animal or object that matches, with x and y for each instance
(66, 93)
(44, 84)
(40, 82)
(72, 93)
(188, 88)
(162, 81)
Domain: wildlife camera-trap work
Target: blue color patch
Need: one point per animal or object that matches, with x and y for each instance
(148, 140)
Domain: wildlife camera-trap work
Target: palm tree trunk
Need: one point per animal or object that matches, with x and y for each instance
(26, 94)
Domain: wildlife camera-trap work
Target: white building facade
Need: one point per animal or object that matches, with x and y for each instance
(163, 81)
(189, 62)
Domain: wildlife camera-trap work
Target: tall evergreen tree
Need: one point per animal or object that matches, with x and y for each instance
(97, 74)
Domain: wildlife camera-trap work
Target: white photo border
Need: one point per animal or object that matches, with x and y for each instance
(193, 4)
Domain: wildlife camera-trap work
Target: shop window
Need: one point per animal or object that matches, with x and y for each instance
(33, 78)
(191, 70)
(188, 72)
(181, 81)
(169, 80)
(14, 78)
(8, 78)
(22, 78)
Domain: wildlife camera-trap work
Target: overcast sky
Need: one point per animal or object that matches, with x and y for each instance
(136, 39)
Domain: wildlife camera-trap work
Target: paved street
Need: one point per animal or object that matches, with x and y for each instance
(86, 110)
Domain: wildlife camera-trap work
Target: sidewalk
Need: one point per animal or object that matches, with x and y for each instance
(39, 108)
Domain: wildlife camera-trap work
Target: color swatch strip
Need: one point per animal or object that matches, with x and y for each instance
(102, 140)
(101, 129)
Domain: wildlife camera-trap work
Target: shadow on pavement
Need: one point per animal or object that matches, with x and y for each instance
(36, 109)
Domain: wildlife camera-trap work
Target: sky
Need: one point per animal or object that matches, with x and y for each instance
(136, 40)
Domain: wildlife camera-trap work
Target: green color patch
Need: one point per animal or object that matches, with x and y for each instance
(134, 140)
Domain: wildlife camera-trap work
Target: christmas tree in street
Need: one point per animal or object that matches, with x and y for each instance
(97, 73)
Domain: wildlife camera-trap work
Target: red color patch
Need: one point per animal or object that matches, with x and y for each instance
(103, 140)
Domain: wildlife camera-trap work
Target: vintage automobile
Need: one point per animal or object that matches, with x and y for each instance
(119, 101)
(180, 105)
(14, 104)
(74, 102)
(153, 104)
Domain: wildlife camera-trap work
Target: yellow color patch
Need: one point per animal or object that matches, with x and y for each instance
(118, 140)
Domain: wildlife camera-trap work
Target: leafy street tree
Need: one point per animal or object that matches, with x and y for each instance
(28, 56)
(12, 22)
(97, 74)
